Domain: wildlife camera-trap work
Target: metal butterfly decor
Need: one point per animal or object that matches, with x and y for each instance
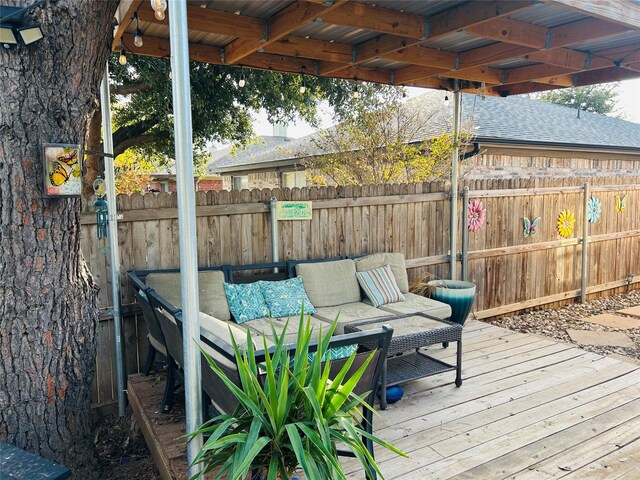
(530, 228)
(621, 203)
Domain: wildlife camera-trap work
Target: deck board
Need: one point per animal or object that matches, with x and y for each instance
(529, 408)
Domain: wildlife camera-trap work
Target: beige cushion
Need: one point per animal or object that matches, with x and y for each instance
(330, 283)
(394, 260)
(415, 303)
(262, 326)
(213, 299)
(220, 331)
(348, 313)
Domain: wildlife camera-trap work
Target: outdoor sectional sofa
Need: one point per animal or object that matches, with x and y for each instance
(331, 287)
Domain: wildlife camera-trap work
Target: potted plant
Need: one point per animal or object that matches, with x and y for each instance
(456, 293)
(291, 415)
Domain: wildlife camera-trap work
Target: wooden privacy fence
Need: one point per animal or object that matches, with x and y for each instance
(512, 272)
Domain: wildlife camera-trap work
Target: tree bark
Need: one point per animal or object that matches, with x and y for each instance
(48, 301)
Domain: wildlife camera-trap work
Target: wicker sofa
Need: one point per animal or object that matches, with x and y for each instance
(330, 284)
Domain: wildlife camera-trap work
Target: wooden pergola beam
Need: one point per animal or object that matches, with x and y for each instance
(291, 18)
(623, 12)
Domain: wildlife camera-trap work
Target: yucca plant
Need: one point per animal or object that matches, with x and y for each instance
(291, 414)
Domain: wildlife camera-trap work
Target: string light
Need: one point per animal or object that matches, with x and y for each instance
(122, 59)
(137, 38)
(446, 99)
(303, 87)
(159, 6)
(243, 81)
(356, 92)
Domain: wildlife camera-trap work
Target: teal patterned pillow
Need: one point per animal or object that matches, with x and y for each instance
(286, 297)
(336, 353)
(245, 301)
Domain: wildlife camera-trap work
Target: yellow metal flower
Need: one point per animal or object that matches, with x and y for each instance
(566, 222)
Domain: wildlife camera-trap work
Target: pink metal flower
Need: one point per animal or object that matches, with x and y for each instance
(476, 214)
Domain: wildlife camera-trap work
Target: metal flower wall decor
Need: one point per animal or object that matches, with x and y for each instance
(566, 222)
(476, 214)
(594, 209)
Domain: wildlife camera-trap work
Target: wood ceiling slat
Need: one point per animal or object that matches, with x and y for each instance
(292, 17)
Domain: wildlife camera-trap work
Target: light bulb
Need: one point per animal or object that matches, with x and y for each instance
(159, 15)
(242, 82)
(158, 5)
(122, 59)
(446, 100)
(137, 39)
(303, 88)
(356, 93)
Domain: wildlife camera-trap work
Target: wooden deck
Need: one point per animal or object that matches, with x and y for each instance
(529, 408)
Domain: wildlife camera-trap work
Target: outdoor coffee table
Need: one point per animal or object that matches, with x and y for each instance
(405, 362)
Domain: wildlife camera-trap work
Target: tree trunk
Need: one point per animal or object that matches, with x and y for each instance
(48, 301)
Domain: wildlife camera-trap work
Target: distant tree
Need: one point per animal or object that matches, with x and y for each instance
(131, 173)
(221, 109)
(381, 140)
(594, 98)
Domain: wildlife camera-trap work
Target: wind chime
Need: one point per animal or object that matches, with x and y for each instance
(102, 219)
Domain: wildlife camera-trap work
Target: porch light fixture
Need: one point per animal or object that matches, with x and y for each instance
(159, 7)
(12, 26)
(137, 34)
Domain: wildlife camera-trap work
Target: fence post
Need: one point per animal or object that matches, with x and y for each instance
(585, 242)
(465, 234)
(274, 232)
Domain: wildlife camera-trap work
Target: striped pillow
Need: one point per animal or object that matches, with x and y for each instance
(380, 286)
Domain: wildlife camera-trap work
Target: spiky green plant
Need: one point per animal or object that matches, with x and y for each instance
(291, 414)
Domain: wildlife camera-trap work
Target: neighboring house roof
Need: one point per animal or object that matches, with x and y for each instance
(510, 121)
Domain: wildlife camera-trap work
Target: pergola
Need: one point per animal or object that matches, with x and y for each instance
(488, 47)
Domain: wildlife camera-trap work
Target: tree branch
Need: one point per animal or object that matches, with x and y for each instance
(129, 89)
(131, 141)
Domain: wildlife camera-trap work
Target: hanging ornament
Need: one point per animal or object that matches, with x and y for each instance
(566, 222)
(476, 214)
(594, 209)
(101, 206)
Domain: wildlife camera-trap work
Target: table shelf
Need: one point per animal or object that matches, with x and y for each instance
(412, 366)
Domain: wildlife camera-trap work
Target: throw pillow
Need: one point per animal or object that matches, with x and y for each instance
(380, 286)
(245, 301)
(286, 298)
(336, 353)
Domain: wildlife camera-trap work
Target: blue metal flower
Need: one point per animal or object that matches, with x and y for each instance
(595, 210)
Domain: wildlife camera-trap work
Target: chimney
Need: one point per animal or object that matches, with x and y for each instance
(279, 129)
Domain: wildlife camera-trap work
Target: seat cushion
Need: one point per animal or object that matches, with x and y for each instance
(394, 260)
(380, 286)
(330, 283)
(349, 312)
(246, 301)
(262, 326)
(415, 303)
(213, 300)
(286, 298)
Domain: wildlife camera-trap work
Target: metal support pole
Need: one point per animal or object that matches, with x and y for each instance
(465, 234)
(453, 220)
(274, 232)
(178, 30)
(585, 243)
(112, 234)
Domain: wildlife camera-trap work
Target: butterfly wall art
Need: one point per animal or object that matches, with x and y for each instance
(530, 227)
(621, 203)
(62, 170)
